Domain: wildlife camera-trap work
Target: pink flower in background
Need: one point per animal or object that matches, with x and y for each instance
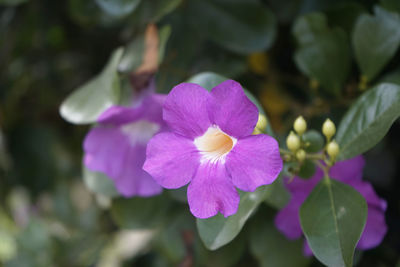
(348, 172)
(211, 147)
(117, 145)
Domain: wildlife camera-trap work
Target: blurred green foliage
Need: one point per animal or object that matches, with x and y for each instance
(307, 57)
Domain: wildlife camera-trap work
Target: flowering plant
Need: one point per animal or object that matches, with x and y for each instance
(218, 133)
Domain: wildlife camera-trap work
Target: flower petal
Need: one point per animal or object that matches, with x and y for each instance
(375, 229)
(148, 108)
(231, 109)
(211, 191)
(107, 150)
(171, 159)
(348, 170)
(306, 249)
(287, 220)
(134, 181)
(254, 161)
(185, 110)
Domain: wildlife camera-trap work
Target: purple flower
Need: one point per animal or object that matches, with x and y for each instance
(211, 147)
(348, 172)
(117, 145)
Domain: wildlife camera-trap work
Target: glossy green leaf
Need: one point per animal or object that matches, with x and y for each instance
(376, 40)
(242, 26)
(99, 183)
(218, 230)
(333, 218)
(323, 53)
(118, 8)
(273, 249)
(87, 102)
(368, 120)
(209, 80)
(140, 213)
(153, 10)
(314, 141)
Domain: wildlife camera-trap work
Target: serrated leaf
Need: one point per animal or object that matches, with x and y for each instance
(99, 183)
(323, 54)
(218, 230)
(368, 120)
(376, 40)
(209, 80)
(87, 102)
(242, 26)
(332, 219)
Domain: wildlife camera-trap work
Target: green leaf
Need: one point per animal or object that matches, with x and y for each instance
(99, 183)
(314, 140)
(118, 8)
(391, 77)
(391, 5)
(140, 213)
(87, 102)
(307, 169)
(218, 230)
(323, 54)
(368, 120)
(277, 195)
(375, 40)
(271, 248)
(209, 80)
(333, 218)
(152, 11)
(242, 26)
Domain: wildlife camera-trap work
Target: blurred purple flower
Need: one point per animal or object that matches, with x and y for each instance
(117, 145)
(348, 172)
(211, 147)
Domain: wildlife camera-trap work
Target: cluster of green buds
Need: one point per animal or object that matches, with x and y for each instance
(329, 130)
(293, 140)
(297, 145)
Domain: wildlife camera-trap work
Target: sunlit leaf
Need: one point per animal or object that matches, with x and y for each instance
(118, 8)
(87, 102)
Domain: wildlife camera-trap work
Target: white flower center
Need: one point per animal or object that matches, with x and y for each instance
(140, 131)
(214, 145)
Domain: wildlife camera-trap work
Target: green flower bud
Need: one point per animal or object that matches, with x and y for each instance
(300, 125)
(293, 141)
(301, 155)
(332, 149)
(328, 128)
(262, 122)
